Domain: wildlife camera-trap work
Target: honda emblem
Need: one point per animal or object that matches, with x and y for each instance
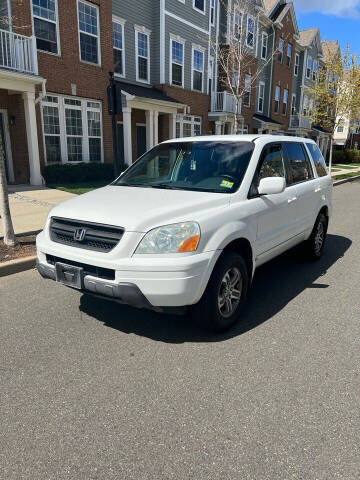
(79, 234)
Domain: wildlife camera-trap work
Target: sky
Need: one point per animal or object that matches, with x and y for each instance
(337, 20)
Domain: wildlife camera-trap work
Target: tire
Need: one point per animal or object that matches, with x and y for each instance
(219, 308)
(314, 246)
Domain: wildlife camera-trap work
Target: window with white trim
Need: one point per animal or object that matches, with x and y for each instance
(250, 32)
(142, 46)
(5, 15)
(285, 101)
(199, 5)
(281, 50)
(314, 70)
(212, 12)
(46, 28)
(118, 47)
(237, 24)
(288, 55)
(247, 91)
(188, 126)
(277, 99)
(261, 97)
(176, 63)
(72, 129)
(297, 64)
(235, 79)
(89, 32)
(197, 69)
(308, 67)
(264, 45)
(293, 104)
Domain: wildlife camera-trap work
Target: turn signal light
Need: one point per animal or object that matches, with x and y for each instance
(190, 244)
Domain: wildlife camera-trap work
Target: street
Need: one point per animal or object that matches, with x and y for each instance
(95, 390)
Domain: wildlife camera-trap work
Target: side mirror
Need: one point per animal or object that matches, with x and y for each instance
(271, 185)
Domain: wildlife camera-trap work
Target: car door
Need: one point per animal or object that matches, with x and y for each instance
(276, 214)
(302, 176)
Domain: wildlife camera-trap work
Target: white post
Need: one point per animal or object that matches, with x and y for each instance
(32, 138)
(127, 135)
(149, 129)
(34, 57)
(172, 125)
(156, 127)
(218, 128)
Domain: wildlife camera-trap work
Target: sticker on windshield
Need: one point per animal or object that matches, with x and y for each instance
(226, 184)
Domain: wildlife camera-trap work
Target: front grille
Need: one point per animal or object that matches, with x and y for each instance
(98, 237)
(99, 272)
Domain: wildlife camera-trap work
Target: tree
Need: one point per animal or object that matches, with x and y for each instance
(238, 69)
(9, 235)
(336, 92)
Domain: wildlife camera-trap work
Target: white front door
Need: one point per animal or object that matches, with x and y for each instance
(276, 214)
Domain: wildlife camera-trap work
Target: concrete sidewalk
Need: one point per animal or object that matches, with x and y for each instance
(344, 169)
(30, 205)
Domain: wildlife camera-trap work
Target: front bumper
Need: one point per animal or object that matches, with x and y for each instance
(141, 281)
(123, 292)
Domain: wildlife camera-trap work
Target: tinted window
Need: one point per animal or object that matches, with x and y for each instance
(271, 164)
(318, 159)
(299, 164)
(203, 166)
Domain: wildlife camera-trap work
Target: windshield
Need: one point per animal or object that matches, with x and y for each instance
(201, 166)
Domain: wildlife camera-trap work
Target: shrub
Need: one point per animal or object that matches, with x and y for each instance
(78, 173)
(353, 156)
(339, 156)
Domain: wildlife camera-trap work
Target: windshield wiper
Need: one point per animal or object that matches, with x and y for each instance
(124, 184)
(165, 186)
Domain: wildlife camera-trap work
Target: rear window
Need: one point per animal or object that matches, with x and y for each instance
(318, 159)
(299, 164)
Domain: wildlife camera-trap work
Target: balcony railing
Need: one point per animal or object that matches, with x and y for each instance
(224, 102)
(296, 121)
(18, 53)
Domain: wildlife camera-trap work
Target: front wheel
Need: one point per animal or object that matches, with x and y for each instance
(314, 246)
(225, 295)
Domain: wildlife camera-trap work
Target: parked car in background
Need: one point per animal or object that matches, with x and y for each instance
(190, 221)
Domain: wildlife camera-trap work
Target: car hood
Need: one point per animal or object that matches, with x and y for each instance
(139, 209)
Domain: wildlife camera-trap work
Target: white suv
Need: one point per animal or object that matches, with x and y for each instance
(188, 223)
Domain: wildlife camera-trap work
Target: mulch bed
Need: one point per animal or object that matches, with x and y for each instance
(25, 248)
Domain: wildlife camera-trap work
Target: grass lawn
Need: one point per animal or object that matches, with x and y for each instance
(346, 175)
(350, 166)
(79, 188)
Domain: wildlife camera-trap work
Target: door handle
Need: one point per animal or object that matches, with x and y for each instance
(291, 200)
(317, 190)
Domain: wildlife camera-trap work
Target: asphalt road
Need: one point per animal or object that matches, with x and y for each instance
(92, 390)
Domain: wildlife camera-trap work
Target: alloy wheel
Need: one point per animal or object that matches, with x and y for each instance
(230, 292)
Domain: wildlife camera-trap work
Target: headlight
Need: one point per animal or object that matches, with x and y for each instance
(177, 238)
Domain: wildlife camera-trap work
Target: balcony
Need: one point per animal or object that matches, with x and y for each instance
(18, 53)
(224, 102)
(296, 121)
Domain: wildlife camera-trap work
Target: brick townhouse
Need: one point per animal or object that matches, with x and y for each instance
(55, 57)
(53, 76)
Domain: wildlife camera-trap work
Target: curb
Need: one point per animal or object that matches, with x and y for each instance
(18, 265)
(25, 234)
(346, 180)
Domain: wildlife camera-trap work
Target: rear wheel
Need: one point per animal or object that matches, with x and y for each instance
(221, 305)
(314, 246)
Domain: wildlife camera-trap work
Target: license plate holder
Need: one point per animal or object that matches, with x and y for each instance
(69, 275)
